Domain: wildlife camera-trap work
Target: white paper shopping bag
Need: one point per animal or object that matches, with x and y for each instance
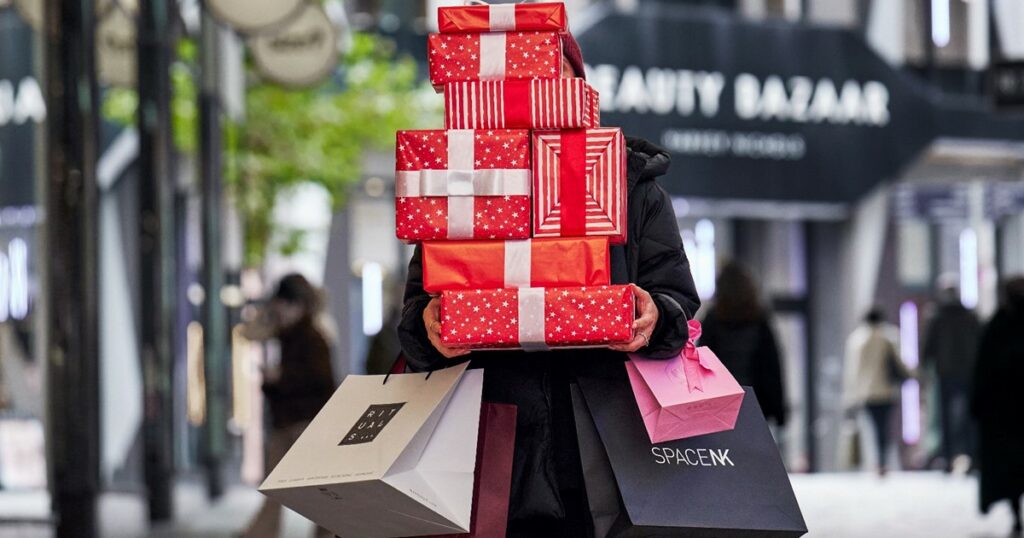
(392, 458)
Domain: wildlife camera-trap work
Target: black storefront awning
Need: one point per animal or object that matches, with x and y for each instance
(768, 110)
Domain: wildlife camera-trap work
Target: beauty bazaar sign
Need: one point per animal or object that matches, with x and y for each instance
(685, 93)
(765, 110)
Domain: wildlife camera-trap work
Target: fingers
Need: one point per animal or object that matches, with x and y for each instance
(633, 345)
(448, 352)
(646, 310)
(643, 325)
(641, 294)
(432, 312)
(431, 321)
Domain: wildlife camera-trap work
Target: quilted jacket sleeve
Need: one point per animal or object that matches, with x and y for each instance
(420, 354)
(664, 271)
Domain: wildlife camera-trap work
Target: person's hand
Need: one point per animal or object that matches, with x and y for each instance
(647, 319)
(432, 321)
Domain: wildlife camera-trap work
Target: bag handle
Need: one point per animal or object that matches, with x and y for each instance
(388, 376)
(398, 367)
(400, 364)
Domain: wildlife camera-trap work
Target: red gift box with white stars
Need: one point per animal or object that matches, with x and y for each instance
(462, 184)
(537, 318)
(493, 56)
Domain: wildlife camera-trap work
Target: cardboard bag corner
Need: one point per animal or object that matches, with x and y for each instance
(387, 459)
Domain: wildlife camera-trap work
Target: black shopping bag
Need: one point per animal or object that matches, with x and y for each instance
(722, 485)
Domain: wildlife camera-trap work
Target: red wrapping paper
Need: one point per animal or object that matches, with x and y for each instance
(568, 103)
(537, 318)
(462, 184)
(579, 183)
(493, 56)
(503, 18)
(537, 263)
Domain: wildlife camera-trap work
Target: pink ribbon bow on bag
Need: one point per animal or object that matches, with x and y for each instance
(693, 364)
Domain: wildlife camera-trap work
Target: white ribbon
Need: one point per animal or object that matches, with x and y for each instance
(489, 182)
(531, 319)
(461, 153)
(460, 217)
(517, 263)
(492, 55)
(461, 149)
(460, 179)
(503, 18)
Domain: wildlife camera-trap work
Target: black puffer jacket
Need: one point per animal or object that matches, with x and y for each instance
(546, 466)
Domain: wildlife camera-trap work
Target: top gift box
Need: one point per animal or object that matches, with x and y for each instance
(546, 16)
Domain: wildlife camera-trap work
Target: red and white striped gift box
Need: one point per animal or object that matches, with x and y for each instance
(493, 56)
(462, 184)
(567, 103)
(579, 183)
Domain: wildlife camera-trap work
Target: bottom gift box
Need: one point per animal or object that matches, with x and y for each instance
(537, 318)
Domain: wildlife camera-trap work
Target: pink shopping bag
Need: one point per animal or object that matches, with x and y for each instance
(685, 396)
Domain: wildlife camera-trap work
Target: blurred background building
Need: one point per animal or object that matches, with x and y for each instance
(849, 152)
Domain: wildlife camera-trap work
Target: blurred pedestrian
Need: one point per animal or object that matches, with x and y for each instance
(872, 376)
(998, 403)
(738, 329)
(950, 346)
(298, 387)
(384, 346)
(547, 497)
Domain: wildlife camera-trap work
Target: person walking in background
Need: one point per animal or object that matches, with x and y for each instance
(997, 403)
(872, 376)
(950, 345)
(300, 385)
(738, 329)
(384, 346)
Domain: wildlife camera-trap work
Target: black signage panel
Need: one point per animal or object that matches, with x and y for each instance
(763, 110)
(22, 110)
(1006, 82)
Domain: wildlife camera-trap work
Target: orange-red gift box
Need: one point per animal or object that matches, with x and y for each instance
(462, 184)
(493, 56)
(503, 18)
(537, 318)
(529, 263)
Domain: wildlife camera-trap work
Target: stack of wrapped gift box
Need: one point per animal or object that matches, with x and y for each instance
(517, 200)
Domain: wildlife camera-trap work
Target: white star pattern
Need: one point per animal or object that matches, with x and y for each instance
(456, 57)
(487, 318)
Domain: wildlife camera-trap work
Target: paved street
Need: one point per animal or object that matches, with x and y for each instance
(901, 505)
(835, 505)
